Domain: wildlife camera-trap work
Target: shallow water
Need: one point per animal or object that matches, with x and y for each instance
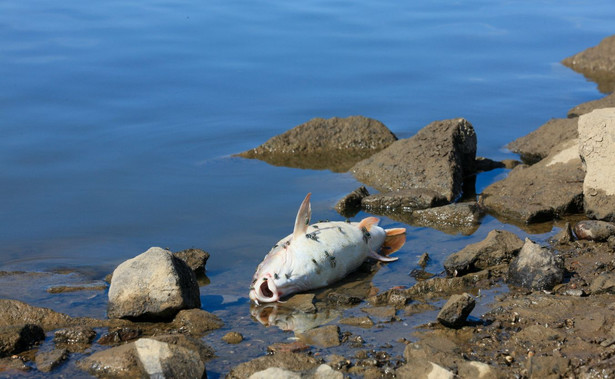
(120, 119)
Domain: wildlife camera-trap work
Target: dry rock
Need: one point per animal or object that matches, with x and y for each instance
(153, 285)
(196, 259)
(603, 283)
(437, 158)
(581, 109)
(196, 322)
(286, 361)
(456, 310)
(423, 369)
(536, 268)
(597, 64)
(49, 360)
(564, 236)
(597, 150)
(594, 230)
(539, 143)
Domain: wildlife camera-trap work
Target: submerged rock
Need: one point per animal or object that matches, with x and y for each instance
(550, 188)
(437, 158)
(498, 247)
(538, 144)
(536, 268)
(597, 64)
(456, 310)
(335, 144)
(594, 230)
(154, 285)
(597, 150)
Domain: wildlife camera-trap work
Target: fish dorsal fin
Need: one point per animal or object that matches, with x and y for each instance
(368, 222)
(303, 218)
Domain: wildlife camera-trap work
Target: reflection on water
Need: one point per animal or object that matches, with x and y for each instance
(289, 319)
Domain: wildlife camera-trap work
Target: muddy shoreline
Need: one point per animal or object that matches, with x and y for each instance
(354, 329)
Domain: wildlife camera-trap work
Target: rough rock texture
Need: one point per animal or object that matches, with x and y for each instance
(350, 205)
(594, 230)
(423, 369)
(324, 336)
(335, 143)
(283, 360)
(232, 337)
(49, 360)
(74, 335)
(409, 199)
(155, 285)
(456, 310)
(14, 312)
(597, 64)
(321, 372)
(498, 247)
(438, 158)
(538, 144)
(597, 149)
(196, 321)
(551, 188)
(535, 268)
(454, 218)
(605, 102)
(196, 259)
(18, 338)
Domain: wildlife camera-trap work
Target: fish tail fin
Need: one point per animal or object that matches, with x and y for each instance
(394, 240)
(303, 217)
(368, 222)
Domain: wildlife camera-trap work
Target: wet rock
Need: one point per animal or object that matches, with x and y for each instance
(423, 260)
(303, 302)
(291, 347)
(454, 218)
(597, 150)
(18, 338)
(423, 369)
(536, 268)
(483, 164)
(153, 285)
(437, 158)
(550, 188)
(145, 357)
(335, 144)
(74, 335)
(605, 102)
(497, 248)
(350, 205)
(404, 200)
(324, 336)
(538, 144)
(49, 360)
(594, 230)
(196, 259)
(437, 349)
(232, 338)
(564, 236)
(96, 286)
(13, 365)
(363, 322)
(285, 361)
(603, 283)
(343, 299)
(196, 345)
(119, 335)
(597, 64)
(14, 312)
(196, 322)
(381, 314)
(456, 310)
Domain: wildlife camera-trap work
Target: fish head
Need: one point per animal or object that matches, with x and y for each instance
(268, 283)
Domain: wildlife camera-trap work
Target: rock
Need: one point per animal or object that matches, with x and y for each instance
(153, 285)
(119, 335)
(18, 338)
(14, 312)
(581, 109)
(423, 369)
(145, 357)
(196, 345)
(74, 335)
(438, 350)
(497, 248)
(536, 268)
(285, 361)
(594, 230)
(456, 310)
(335, 144)
(196, 322)
(547, 367)
(232, 338)
(603, 283)
(477, 370)
(564, 236)
(291, 347)
(404, 200)
(424, 260)
(539, 143)
(13, 365)
(483, 164)
(597, 64)
(325, 372)
(438, 287)
(324, 336)
(382, 314)
(196, 259)
(350, 205)
(454, 218)
(303, 302)
(49, 360)
(275, 373)
(550, 188)
(363, 322)
(343, 299)
(437, 158)
(597, 150)
(96, 286)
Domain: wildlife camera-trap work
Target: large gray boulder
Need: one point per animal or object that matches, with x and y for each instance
(597, 149)
(550, 188)
(597, 64)
(335, 144)
(538, 144)
(153, 285)
(437, 158)
(536, 268)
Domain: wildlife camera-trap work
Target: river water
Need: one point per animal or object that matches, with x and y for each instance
(119, 120)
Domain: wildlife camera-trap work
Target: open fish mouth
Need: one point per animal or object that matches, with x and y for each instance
(264, 291)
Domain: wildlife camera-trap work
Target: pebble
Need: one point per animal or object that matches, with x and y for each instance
(232, 338)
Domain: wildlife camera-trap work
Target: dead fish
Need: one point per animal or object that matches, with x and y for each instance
(318, 255)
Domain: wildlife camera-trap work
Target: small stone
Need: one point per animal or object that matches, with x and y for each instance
(196, 259)
(342, 299)
(232, 338)
(564, 236)
(324, 336)
(383, 314)
(350, 204)
(363, 322)
(456, 310)
(424, 260)
(536, 268)
(116, 336)
(594, 230)
(74, 335)
(47, 361)
(292, 347)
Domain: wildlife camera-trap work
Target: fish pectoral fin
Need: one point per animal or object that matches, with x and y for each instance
(378, 257)
(394, 240)
(368, 222)
(303, 218)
